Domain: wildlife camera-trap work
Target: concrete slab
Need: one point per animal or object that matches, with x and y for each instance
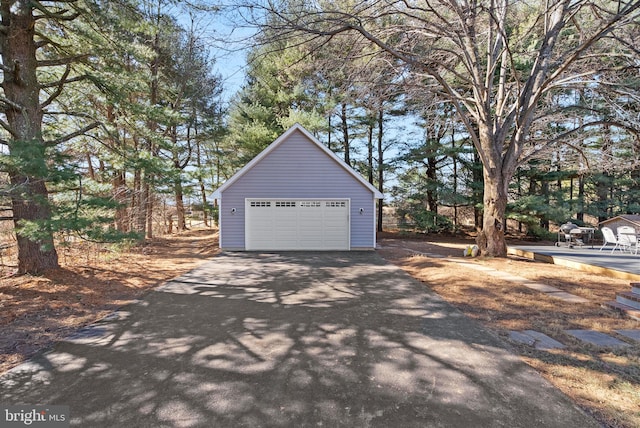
(631, 334)
(597, 338)
(520, 337)
(538, 286)
(623, 309)
(543, 341)
(292, 339)
(536, 339)
(567, 297)
(508, 276)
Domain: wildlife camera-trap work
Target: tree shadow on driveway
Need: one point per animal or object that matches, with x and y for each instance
(290, 339)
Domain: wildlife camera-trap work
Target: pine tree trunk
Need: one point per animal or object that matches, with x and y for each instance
(454, 177)
(34, 255)
(580, 215)
(119, 191)
(141, 207)
(182, 224)
(432, 180)
(149, 212)
(30, 197)
(544, 192)
(380, 167)
(603, 185)
(345, 134)
(205, 207)
(203, 192)
(370, 154)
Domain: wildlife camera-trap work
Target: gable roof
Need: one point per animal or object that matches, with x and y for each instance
(297, 127)
(631, 218)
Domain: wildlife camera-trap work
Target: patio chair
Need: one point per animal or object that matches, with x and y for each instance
(628, 239)
(609, 238)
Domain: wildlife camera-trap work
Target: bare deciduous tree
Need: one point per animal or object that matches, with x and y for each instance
(494, 60)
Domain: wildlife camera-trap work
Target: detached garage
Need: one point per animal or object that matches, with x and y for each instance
(297, 195)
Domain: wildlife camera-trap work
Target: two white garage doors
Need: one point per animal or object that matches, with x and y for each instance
(304, 224)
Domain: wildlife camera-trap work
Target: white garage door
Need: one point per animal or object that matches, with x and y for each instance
(285, 224)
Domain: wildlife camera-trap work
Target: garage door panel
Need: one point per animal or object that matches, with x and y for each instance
(297, 225)
(309, 219)
(284, 226)
(328, 225)
(309, 216)
(336, 231)
(281, 245)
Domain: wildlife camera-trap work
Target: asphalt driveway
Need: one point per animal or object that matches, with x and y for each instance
(290, 340)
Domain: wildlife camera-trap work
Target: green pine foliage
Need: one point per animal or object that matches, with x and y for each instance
(271, 101)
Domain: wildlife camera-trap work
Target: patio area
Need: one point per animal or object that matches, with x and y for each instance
(618, 264)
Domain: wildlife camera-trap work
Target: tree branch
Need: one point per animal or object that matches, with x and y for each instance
(11, 104)
(563, 136)
(72, 80)
(70, 113)
(62, 15)
(75, 134)
(579, 51)
(7, 128)
(61, 61)
(44, 40)
(59, 86)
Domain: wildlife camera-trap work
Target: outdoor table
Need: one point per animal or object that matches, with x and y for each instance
(585, 235)
(632, 238)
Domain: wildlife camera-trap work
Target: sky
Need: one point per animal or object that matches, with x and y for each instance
(230, 66)
(227, 41)
(229, 44)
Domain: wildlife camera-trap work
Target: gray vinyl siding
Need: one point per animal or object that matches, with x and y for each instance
(297, 168)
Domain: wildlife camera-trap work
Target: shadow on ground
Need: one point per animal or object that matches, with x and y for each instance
(291, 339)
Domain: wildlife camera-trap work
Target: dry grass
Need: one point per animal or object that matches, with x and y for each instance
(604, 382)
